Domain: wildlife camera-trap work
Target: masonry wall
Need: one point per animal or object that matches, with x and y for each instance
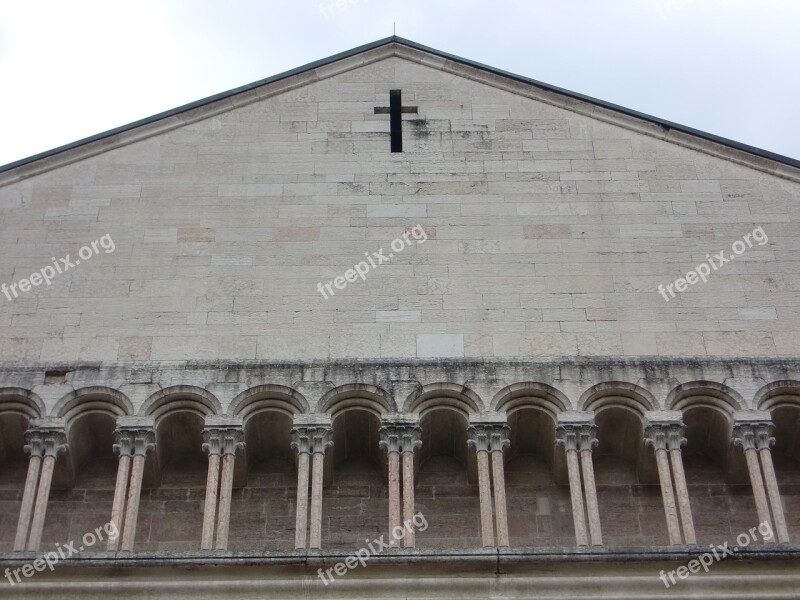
(548, 233)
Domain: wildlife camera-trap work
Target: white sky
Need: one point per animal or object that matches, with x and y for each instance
(70, 69)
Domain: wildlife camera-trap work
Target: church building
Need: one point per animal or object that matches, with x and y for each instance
(396, 324)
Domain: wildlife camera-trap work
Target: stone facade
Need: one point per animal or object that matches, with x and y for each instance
(507, 371)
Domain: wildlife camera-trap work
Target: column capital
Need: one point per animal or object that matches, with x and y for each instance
(577, 436)
(223, 440)
(311, 439)
(400, 437)
(488, 437)
(134, 441)
(756, 435)
(665, 435)
(45, 441)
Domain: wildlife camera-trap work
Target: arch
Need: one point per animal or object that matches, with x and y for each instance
(618, 393)
(778, 394)
(20, 401)
(181, 398)
(705, 393)
(356, 395)
(444, 395)
(268, 397)
(92, 400)
(530, 394)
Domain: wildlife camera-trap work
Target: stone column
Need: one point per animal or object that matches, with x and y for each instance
(232, 440)
(53, 442)
(35, 448)
(317, 438)
(124, 448)
(655, 437)
(499, 441)
(675, 441)
(765, 441)
(213, 446)
(744, 437)
(302, 443)
(390, 441)
(587, 440)
(409, 442)
(141, 441)
(567, 437)
(478, 438)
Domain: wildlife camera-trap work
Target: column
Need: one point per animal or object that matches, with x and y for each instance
(212, 444)
(124, 448)
(232, 440)
(655, 437)
(411, 440)
(321, 440)
(301, 442)
(141, 441)
(567, 437)
(499, 441)
(35, 448)
(478, 438)
(744, 437)
(53, 441)
(587, 440)
(390, 441)
(675, 441)
(765, 441)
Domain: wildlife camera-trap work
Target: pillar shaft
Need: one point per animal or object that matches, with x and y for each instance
(576, 495)
(753, 467)
(315, 535)
(484, 490)
(590, 489)
(781, 530)
(301, 520)
(40, 507)
(210, 509)
(225, 494)
(408, 498)
(499, 483)
(132, 510)
(665, 479)
(28, 498)
(394, 495)
(684, 504)
(120, 492)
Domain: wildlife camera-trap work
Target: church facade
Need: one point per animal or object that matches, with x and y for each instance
(400, 324)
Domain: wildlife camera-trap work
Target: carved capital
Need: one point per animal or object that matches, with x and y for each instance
(488, 437)
(45, 442)
(756, 435)
(665, 436)
(222, 440)
(311, 439)
(577, 436)
(400, 437)
(134, 441)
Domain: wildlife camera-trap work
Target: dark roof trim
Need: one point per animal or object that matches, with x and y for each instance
(395, 39)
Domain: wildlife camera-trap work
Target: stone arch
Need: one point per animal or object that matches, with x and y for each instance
(268, 397)
(705, 393)
(778, 394)
(177, 398)
(529, 394)
(21, 402)
(95, 399)
(629, 396)
(356, 395)
(455, 397)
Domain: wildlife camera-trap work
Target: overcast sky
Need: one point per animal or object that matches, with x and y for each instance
(70, 69)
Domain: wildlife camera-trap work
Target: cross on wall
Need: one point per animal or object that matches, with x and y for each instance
(395, 111)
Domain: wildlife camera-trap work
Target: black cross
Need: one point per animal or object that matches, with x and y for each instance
(395, 110)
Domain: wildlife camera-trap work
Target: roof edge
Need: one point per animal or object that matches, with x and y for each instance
(667, 125)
